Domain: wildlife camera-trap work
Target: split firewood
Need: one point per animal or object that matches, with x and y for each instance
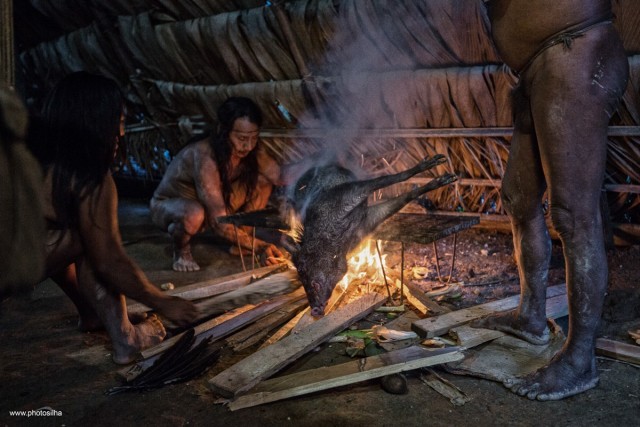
(284, 331)
(260, 365)
(209, 288)
(260, 290)
(635, 335)
(217, 328)
(337, 296)
(439, 325)
(328, 377)
(618, 350)
(446, 388)
(254, 333)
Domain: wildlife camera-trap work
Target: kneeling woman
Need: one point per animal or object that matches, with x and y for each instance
(75, 141)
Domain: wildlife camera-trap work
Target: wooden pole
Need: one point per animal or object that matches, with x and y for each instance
(486, 132)
(7, 58)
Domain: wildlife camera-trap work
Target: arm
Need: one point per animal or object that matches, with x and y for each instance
(209, 192)
(98, 226)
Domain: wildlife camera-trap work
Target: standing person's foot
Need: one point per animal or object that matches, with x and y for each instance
(512, 323)
(564, 376)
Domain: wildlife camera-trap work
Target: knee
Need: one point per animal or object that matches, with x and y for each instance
(572, 223)
(519, 205)
(563, 220)
(193, 218)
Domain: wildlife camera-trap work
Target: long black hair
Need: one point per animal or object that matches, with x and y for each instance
(75, 138)
(232, 109)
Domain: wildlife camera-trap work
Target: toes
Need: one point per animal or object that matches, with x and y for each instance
(183, 266)
(512, 382)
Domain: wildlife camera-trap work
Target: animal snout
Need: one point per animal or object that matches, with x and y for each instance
(318, 311)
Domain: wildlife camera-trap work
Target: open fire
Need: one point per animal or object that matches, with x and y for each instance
(365, 266)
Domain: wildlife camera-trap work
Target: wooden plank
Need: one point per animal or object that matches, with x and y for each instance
(222, 326)
(469, 337)
(131, 372)
(254, 333)
(618, 350)
(355, 371)
(467, 132)
(439, 325)
(337, 295)
(427, 302)
(264, 363)
(260, 290)
(415, 302)
(283, 331)
(209, 288)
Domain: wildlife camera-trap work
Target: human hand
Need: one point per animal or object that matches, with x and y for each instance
(180, 311)
(271, 255)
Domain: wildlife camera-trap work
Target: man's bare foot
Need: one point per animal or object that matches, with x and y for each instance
(93, 323)
(143, 335)
(513, 324)
(562, 377)
(184, 262)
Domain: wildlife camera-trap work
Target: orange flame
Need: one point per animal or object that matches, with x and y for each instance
(364, 265)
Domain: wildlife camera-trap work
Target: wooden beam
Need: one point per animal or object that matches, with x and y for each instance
(7, 42)
(484, 132)
(266, 362)
(209, 288)
(355, 371)
(618, 350)
(439, 325)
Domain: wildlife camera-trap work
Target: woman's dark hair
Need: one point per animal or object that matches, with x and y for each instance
(232, 109)
(76, 137)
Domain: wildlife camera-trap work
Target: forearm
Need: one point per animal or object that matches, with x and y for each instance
(125, 277)
(237, 235)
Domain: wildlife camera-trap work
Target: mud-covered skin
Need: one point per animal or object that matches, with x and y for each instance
(567, 94)
(333, 208)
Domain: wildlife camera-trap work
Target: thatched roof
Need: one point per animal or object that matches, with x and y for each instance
(333, 64)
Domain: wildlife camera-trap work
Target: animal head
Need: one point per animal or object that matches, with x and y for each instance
(319, 274)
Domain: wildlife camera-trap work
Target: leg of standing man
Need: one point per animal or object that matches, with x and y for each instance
(573, 91)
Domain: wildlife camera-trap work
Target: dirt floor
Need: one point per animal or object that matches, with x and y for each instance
(47, 363)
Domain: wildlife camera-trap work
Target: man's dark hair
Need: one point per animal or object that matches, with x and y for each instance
(232, 109)
(76, 137)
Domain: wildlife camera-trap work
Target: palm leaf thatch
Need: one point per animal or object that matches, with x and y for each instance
(352, 66)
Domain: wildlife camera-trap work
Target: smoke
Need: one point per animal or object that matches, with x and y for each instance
(365, 46)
